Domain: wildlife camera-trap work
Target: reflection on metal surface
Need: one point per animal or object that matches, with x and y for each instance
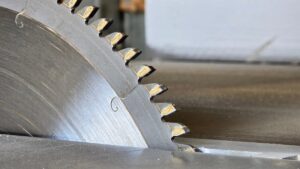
(295, 157)
(80, 74)
(242, 149)
(52, 154)
(49, 90)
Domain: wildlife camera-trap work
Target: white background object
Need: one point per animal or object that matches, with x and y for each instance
(251, 30)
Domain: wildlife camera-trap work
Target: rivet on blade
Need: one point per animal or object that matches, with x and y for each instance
(115, 38)
(166, 108)
(129, 54)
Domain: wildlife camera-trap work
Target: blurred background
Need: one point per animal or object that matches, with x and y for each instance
(232, 67)
(216, 30)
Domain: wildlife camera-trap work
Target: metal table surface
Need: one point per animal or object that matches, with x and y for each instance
(242, 149)
(37, 153)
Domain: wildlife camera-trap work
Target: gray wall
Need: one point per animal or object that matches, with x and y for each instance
(251, 30)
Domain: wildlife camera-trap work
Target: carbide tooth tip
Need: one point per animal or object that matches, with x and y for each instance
(186, 148)
(178, 129)
(155, 89)
(102, 24)
(87, 12)
(166, 109)
(70, 3)
(143, 71)
(115, 38)
(129, 54)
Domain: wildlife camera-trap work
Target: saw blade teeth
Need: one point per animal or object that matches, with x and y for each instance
(102, 24)
(87, 12)
(155, 89)
(142, 71)
(129, 54)
(177, 129)
(116, 38)
(71, 4)
(166, 108)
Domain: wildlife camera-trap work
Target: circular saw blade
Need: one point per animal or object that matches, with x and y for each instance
(60, 80)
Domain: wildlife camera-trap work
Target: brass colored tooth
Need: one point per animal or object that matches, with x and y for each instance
(177, 129)
(186, 148)
(166, 109)
(115, 38)
(71, 3)
(129, 54)
(142, 71)
(87, 12)
(155, 89)
(101, 24)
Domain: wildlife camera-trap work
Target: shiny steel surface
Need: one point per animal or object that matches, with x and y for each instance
(242, 149)
(34, 153)
(242, 102)
(49, 89)
(59, 79)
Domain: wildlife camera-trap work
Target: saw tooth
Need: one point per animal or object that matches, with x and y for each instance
(87, 12)
(155, 89)
(177, 129)
(129, 54)
(142, 71)
(166, 108)
(116, 38)
(187, 148)
(101, 24)
(71, 4)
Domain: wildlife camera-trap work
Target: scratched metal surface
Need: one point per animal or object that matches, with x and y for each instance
(140, 119)
(242, 102)
(48, 89)
(35, 153)
(107, 63)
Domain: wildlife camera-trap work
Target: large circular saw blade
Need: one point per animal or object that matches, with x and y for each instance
(59, 79)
